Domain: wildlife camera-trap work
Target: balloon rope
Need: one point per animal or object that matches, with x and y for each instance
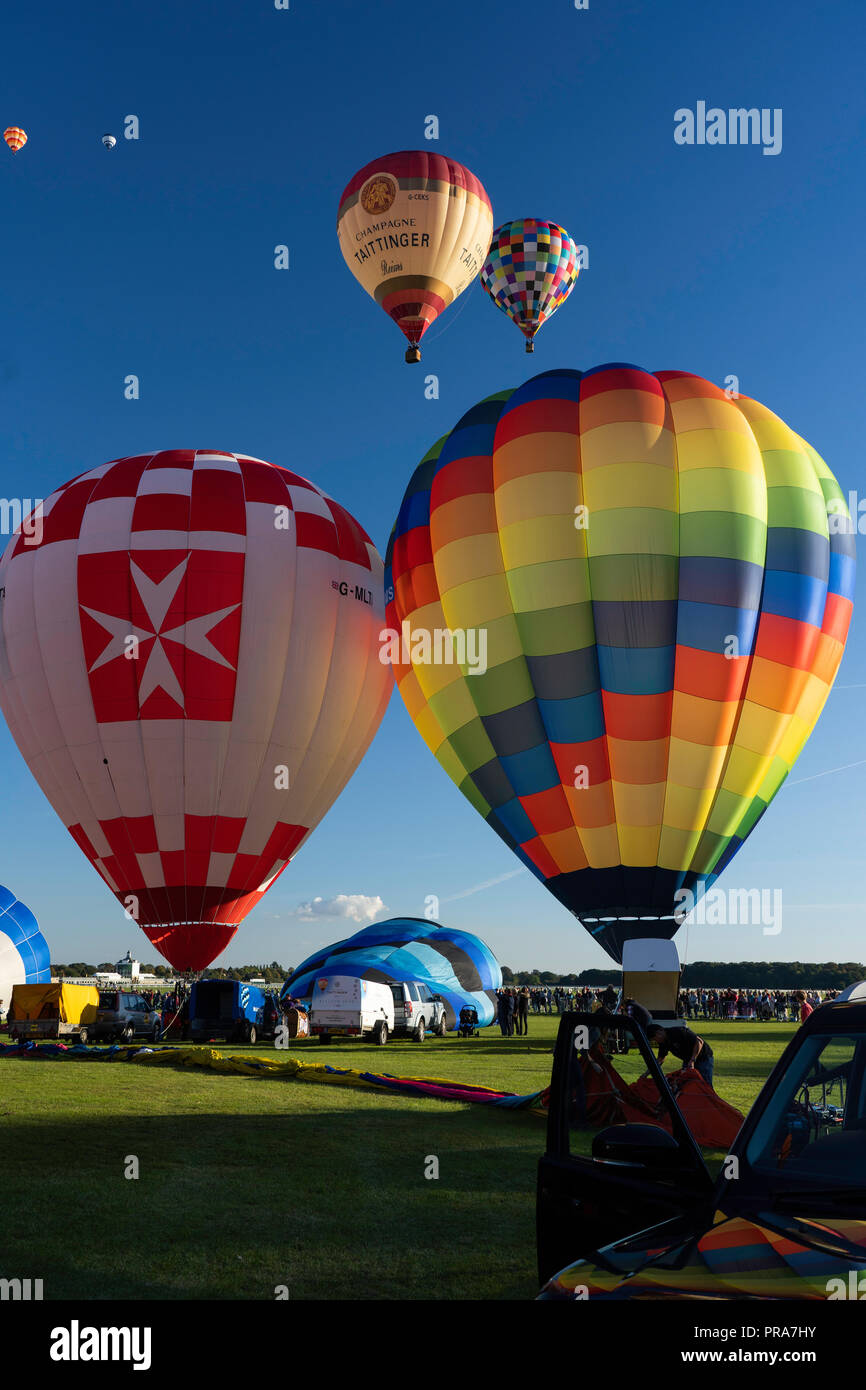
(453, 319)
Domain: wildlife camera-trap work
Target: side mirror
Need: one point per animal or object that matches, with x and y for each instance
(638, 1146)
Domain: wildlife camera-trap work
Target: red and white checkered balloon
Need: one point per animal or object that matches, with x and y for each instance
(189, 665)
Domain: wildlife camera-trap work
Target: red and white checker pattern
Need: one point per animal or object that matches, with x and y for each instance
(237, 585)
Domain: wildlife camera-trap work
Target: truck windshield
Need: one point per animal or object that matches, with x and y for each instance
(813, 1131)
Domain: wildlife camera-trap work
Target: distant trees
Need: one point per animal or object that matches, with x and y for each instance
(273, 974)
(772, 974)
(746, 974)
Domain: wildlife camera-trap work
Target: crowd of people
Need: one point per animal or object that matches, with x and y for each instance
(515, 1004)
(760, 1005)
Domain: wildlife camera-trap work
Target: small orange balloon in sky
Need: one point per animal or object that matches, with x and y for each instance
(15, 137)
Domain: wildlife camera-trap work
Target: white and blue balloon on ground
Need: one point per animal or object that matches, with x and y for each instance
(24, 954)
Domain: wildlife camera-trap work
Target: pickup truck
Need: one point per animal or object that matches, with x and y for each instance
(641, 1217)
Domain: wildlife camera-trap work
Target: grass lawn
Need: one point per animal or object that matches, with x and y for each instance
(247, 1183)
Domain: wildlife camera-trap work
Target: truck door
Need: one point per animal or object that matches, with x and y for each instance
(600, 1185)
(399, 1009)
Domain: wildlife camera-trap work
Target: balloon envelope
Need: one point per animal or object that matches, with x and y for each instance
(189, 665)
(454, 964)
(24, 954)
(530, 270)
(414, 228)
(15, 138)
(663, 578)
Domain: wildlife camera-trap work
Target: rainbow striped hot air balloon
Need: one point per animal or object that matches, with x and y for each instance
(414, 228)
(664, 579)
(15, 138)
(531, 269)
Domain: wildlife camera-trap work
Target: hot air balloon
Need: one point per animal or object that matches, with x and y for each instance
(24, 954)
(189, 665)
(15, 138)
(414, 229)
(456, 965)
(664, 579)
(530, 270)
(109, 141)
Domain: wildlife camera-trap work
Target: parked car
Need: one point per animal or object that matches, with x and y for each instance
(786, 1218)
(52, 1011)
(122, 1016)
(231, 1009)
(417, 1010)
(344, 1006)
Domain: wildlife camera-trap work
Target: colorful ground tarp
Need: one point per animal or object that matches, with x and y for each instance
(607, 1099)
(280, 1068)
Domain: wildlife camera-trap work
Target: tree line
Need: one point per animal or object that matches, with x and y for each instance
(273, 974)
(760, 974)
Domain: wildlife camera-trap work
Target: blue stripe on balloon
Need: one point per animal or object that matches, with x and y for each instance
(842, 572)
(708, 627)
(636, 670)
(514, 820)
(556, 385)
(573, 721)
(531, 771)
(797, 596)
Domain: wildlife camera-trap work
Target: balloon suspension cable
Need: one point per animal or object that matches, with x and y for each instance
(189, 978)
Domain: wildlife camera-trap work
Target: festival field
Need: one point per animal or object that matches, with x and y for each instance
(246, 1183)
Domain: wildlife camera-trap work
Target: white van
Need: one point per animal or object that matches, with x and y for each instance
(343, 1006)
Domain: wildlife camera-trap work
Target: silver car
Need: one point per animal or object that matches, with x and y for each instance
(122, 1016)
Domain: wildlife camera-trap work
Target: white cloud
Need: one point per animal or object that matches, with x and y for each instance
(357, 907)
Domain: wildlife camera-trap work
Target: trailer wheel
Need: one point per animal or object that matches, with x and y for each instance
(82, 1035)
(380, 1033)
(252, 1034)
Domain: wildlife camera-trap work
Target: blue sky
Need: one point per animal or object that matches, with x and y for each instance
(157, 259)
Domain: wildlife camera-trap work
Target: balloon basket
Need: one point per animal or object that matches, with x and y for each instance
(413, 354)
(530, 346)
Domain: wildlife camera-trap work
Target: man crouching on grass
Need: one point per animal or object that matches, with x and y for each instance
(682, 1043)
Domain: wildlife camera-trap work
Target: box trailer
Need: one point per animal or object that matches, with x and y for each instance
(344, 1006)
(55, 1010)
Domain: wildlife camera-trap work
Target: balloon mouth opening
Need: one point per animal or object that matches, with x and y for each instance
(190, 946)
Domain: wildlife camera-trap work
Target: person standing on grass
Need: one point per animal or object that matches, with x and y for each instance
(502, 1012)
(682, 1043)
(523, 1012)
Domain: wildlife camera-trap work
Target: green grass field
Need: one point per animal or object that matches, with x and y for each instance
(249, 1183)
